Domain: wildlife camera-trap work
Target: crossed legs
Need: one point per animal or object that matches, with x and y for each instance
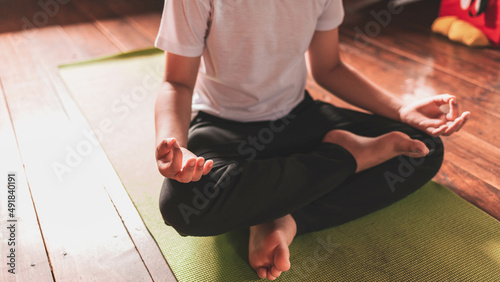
(326, 167)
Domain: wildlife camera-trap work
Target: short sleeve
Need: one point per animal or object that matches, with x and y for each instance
(332, 16)
(184, 26)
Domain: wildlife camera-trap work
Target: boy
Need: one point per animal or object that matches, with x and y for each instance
(242, 144)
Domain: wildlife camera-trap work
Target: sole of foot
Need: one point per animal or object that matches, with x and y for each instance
(372, 151)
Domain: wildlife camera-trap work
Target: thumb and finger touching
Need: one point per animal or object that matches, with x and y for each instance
(450, 120)
(169, 157)
(453, 112)
(457, 124)
(442, 99)
(182, 166)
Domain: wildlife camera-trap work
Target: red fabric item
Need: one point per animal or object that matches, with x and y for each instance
(488, 21)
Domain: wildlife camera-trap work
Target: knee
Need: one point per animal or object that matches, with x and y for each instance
(436, 152)
(429, 166)
(175, 208)
(186, 208)
(435, 144)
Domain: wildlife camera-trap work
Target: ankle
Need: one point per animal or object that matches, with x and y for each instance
(288, 226)
(283, 226)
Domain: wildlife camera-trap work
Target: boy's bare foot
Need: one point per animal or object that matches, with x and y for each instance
(268, 245)
(268, 250)
(370, 152)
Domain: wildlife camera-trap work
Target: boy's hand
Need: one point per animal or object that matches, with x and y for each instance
(429, 116)
(179, 163)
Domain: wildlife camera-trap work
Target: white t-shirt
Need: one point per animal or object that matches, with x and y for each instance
(253, 66)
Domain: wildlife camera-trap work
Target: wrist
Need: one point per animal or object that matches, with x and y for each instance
(398, 107)
(399, 116)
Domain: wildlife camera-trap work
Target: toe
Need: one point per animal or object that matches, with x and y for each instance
(282, 258)
(410, 147)
(270, 276)
(419, 146)
(262, 272)
(275, 272)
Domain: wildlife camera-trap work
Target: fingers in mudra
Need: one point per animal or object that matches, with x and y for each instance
(179, 163)
(169, 157)
(194, 169)
(456, 124)
(438, 115)
(453, 120)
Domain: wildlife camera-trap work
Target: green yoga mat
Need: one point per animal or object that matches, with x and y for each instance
(432, 235)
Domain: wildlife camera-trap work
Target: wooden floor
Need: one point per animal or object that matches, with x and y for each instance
(86, 228)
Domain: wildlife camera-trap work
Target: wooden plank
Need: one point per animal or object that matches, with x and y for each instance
(143, 241)
(459, 61)
(20, 15)
(471, 188)
(145, 16)
(83, 233)
(145, 244)
(480, 158)
(26, 247)
(121, 32)
(413, 80)
(85, 36)
(420, 16)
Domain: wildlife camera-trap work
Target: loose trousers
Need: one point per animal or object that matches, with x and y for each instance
(266, 170)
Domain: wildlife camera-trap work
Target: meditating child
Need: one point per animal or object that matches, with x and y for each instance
(243, 145)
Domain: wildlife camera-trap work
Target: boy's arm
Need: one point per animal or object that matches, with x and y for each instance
(172, 118)
(346, 83)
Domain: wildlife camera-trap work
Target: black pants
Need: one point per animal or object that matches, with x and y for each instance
(266, 170)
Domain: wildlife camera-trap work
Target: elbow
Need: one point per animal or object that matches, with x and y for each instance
(173, 89)
(178, 86)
